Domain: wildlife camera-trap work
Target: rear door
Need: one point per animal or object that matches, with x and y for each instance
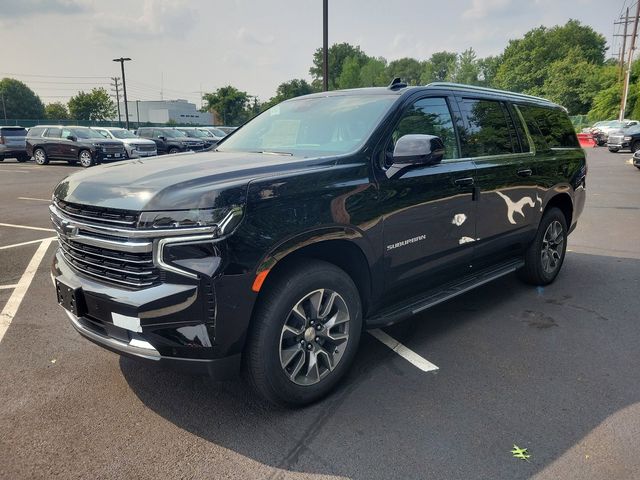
(508, 203)
(429, 213)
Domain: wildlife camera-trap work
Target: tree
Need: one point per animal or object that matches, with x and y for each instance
(291, 89)
(338, 53)
(95, 105)
(487, 69)
(19, 101)
(373, 73)
(231, 105)
(467, 69)
(408, 69)
(350, 74)
(606, 102)
(56, 111)
(526, 61)
(439, 68)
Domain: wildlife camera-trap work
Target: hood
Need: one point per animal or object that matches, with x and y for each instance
(177, 182)
(137, 141)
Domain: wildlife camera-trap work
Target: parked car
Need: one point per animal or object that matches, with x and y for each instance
(170, 140)
(636, 159)
(204, 135)
(135, 146)
(13, 144)
(601, 130)
(225, 129)
(327, 214)
(216, 132)
(73, 144)
(625, 139)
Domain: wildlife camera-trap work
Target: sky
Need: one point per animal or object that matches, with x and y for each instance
(182, 47)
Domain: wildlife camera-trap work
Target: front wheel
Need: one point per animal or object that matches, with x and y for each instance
(173, 150)
(614, 150)
(544, 257)
(86, 159)
(304, 334)
(635, 146)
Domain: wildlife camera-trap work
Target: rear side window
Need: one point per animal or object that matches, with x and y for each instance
(35, 132)
(549, 127)
(53, 133)
(488, 129)
(13, 132)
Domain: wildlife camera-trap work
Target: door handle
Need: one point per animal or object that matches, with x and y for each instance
(464, 182)
(525, 172)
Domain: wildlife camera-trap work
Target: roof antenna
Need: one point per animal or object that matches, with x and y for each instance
(397, 84)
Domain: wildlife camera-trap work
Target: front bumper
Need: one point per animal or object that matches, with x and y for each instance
(636, 160)
(619, 145)
(101, 156)
(170, 324)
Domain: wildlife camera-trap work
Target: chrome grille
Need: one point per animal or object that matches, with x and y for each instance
(101, 215)
(113, 149)
(123, 268)
(145, 148)
(616, 138)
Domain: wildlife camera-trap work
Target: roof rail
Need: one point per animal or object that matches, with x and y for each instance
(488, 90)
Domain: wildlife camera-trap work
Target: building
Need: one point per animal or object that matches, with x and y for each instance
(163, 111)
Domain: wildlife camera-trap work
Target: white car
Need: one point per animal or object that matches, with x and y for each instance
(135, 146)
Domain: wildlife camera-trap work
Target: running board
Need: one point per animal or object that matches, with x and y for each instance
(414, 305)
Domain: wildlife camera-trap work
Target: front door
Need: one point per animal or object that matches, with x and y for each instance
(68, 148)
(429, 213)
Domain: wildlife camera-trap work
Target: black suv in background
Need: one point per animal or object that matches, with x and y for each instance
(324, 215)
(12, 143)
(203, 135)
(73, 144)
(171, 140)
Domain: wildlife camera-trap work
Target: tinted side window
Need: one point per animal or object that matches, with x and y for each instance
(144, 132)
(552, 125)
(429, 116)
(66, 133)
(53, 133)
(488, 129)
(35, 132)
(519, 124)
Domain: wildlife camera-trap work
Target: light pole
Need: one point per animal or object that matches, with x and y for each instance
(124, 88)
(325, 45)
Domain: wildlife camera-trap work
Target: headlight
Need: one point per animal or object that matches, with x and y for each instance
(627, 139)
(225, 218)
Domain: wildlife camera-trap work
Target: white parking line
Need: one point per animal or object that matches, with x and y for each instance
(15, 171)
(35, 199)
(27, 227)
(8, 287)
(12, 305)
(406, 353)
(26, 243)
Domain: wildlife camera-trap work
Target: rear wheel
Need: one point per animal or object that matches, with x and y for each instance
(173, 150)
(304, 334)
(86, 159)
(544, 257)
(40, 156)
(635, 146)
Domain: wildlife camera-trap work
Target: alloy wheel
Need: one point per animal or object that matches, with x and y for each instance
(40, 157)
(314, 337)
(85, 158)
(552, 247)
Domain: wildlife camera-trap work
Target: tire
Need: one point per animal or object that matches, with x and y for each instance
(544, 257)
(85, 158)
(635, 146)
(40, 156)
(614, 150)
(282, 346)
(173, 150)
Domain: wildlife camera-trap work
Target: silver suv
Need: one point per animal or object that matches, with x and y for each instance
(135, 146)
(13, 144)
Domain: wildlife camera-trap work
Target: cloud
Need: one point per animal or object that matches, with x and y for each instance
(247, 35)
(28, 8)
(482, 8)
(160, 18)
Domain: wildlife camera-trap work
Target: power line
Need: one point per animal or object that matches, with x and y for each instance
(47, 76)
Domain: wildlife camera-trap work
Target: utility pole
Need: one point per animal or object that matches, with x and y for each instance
(124, 88)
(138, 112)
(325, 45)
(624, 44)
(4, 108)
(115, 84)
(625, 92)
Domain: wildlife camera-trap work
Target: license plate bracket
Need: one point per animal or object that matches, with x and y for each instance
(71, 299)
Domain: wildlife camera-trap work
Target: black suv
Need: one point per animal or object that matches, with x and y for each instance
(171, 140)
(205, 136)
(12, 143)
(324, 215)
(73, 144)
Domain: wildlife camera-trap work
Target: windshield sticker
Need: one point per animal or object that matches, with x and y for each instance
(459, 219)
(409, 241)
(516, 207)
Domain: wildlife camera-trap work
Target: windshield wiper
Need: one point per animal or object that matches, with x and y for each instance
(265, 152)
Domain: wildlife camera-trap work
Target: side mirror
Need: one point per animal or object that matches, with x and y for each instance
(163, 138)
(73, 138)
(415, 150)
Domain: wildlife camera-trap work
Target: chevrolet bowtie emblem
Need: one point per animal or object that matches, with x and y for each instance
(69, 229)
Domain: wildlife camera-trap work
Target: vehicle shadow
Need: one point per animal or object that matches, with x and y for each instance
(540, 368)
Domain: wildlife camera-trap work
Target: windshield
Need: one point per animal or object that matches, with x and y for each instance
(194, 133)
(122, 134)
(173, 133)
(13, 132)
(330, 125)
(87, 133)
(632, 130)
(217, 132)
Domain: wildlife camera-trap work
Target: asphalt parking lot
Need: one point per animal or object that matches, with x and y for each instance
(553, 370)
